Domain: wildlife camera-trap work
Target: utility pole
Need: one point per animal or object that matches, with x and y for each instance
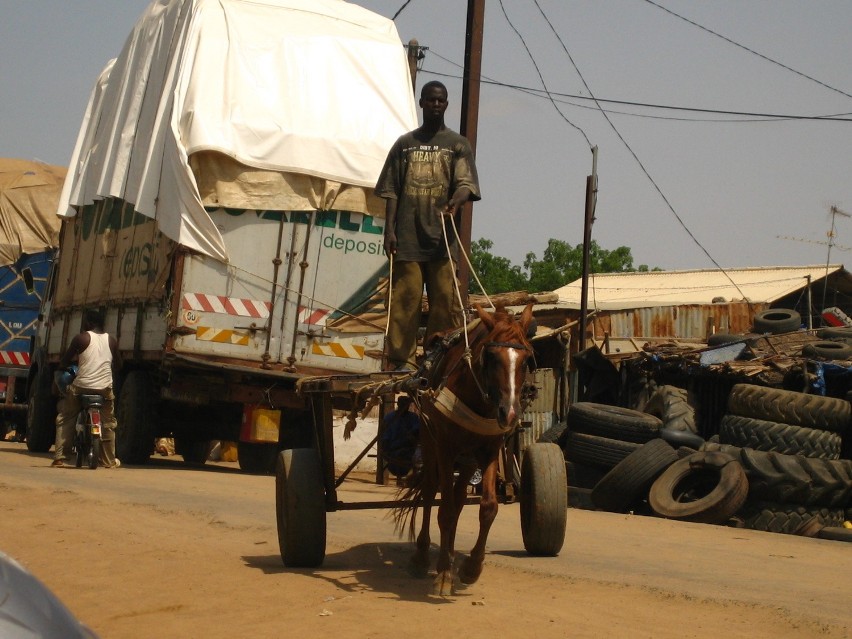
(591, 201)
(470, 119)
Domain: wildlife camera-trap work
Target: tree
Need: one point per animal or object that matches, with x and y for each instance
(497, 274)
(562, 263)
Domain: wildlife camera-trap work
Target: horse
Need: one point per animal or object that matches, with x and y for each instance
(473, 402)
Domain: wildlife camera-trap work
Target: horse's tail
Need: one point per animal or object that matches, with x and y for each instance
(409, 499)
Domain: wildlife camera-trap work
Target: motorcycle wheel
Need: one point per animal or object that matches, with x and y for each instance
(94, 453)
(80, 447)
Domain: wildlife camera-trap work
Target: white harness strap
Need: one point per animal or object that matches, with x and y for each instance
(457, 411)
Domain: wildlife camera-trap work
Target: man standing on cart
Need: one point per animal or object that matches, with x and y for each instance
(428, 175)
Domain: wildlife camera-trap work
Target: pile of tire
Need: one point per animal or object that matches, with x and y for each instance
(618, 452)
(788, 445)
(775, 465)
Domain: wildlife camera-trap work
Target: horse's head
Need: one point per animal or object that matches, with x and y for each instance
(503, 356)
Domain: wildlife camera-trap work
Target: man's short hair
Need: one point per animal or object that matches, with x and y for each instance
(94, 317)
(433, 84)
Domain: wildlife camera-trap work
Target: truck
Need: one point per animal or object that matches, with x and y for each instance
(29, 236)
(219, 212)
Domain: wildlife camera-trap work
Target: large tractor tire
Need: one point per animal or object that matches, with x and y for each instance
(790, 407)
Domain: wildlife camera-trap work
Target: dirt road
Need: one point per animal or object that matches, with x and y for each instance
(170, 551)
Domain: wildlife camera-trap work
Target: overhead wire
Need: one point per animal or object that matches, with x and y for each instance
(633, 153)
(745, 48)
(541, 77)
(749, 116)
(401, 9)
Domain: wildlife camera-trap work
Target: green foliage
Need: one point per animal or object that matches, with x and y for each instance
(559, 265)
(497, 274)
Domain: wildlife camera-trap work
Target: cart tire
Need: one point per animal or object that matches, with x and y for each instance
(94, 455)
(544, 499)
(790, 407)
(41, 414)
(259, 459)
(300, 507)
(134, 436)
(705, 488)
(630, 480)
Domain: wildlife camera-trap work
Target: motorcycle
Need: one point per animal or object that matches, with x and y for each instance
(87, 440)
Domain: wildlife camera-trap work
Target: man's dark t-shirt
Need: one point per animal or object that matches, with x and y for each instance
(422, 175)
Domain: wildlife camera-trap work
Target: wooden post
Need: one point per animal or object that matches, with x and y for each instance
(591, 200)
(470, 118)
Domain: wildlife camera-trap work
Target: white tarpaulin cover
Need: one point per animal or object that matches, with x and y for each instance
(319, 88)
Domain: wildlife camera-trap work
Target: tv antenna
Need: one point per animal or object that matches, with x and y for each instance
(830, 244)
(831, 234)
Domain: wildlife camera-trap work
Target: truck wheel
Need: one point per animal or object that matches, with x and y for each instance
(41, 414)
(544, 499)
(193, 451)
(300, 508)
(134, 437)
(256, 458)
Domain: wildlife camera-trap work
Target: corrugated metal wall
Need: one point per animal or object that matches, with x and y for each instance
(542, 412)
(689, 321)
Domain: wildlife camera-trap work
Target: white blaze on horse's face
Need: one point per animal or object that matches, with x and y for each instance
(505, 371)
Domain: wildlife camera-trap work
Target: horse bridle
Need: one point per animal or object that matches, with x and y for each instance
(513, 345)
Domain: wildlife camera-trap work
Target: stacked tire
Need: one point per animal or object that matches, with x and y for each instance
(788, 445)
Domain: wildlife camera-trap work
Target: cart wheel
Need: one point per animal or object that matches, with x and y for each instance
(300, 507)
(544, 499)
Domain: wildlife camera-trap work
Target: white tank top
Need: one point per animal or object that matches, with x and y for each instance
(95, 364)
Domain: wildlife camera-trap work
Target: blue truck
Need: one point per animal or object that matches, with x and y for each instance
(29, 236)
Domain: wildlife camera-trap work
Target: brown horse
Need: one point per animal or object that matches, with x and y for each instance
(467, 414)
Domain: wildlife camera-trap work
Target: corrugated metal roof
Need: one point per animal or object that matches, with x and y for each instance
(612, 291)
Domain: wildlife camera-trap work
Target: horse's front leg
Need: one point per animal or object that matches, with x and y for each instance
(418, 565)
(447, 519)
(471, 569)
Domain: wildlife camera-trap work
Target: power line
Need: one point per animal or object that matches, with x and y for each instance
(541, 77)
(539, 93)
(400, 10)
(745, 48)
(633, 153)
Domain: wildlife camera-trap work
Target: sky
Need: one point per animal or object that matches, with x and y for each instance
(684, 189)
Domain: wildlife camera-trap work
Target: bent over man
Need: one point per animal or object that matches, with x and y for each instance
(429, 173)
(97, 354)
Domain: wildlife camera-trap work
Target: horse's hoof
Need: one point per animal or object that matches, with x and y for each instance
(443, 586)
(470, 571)
(418, 568)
